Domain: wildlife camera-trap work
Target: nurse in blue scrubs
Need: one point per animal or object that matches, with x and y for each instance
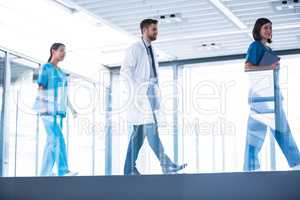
(52, 82)
(262, 34)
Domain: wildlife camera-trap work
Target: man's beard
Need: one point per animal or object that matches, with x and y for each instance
(152, 38)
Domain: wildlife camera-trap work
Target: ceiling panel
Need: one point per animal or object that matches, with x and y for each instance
(225, 23)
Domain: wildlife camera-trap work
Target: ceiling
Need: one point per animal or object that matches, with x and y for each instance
(205, 28)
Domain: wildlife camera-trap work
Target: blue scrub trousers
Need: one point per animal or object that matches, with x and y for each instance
(55, 148)
(138, 134)
(257, 131)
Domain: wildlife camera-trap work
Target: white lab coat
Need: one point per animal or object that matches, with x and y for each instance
(135, 71)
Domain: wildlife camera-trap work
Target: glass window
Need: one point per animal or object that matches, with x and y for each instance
(213, 127)
(211, 107)
(203, 120)
(215, 113)
(23, 140)
(2, 139)
(147, 162)
(165, 122)
(26, 141)
(85, 133)
(289, 82)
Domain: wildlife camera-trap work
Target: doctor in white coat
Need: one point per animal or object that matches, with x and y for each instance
(140, 71)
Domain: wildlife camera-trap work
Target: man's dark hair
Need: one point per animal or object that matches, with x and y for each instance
(147, 22)
(257, 27)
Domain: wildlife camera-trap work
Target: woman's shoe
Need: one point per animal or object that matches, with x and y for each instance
(296, 168)
(69, 173)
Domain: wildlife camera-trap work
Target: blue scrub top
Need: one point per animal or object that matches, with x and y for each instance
(256, 52)
(254, 55)
(52, 78)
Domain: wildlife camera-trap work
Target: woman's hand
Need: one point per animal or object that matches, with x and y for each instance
(74, 113)
(248, 66)
(274, 65)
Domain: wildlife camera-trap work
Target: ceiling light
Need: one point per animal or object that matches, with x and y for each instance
(208, 47)
(169, 18)
(286, 5)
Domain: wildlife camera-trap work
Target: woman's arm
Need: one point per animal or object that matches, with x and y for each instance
(254, 55)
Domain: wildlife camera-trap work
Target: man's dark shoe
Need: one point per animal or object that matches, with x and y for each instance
(173, 168)
(134, 172)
